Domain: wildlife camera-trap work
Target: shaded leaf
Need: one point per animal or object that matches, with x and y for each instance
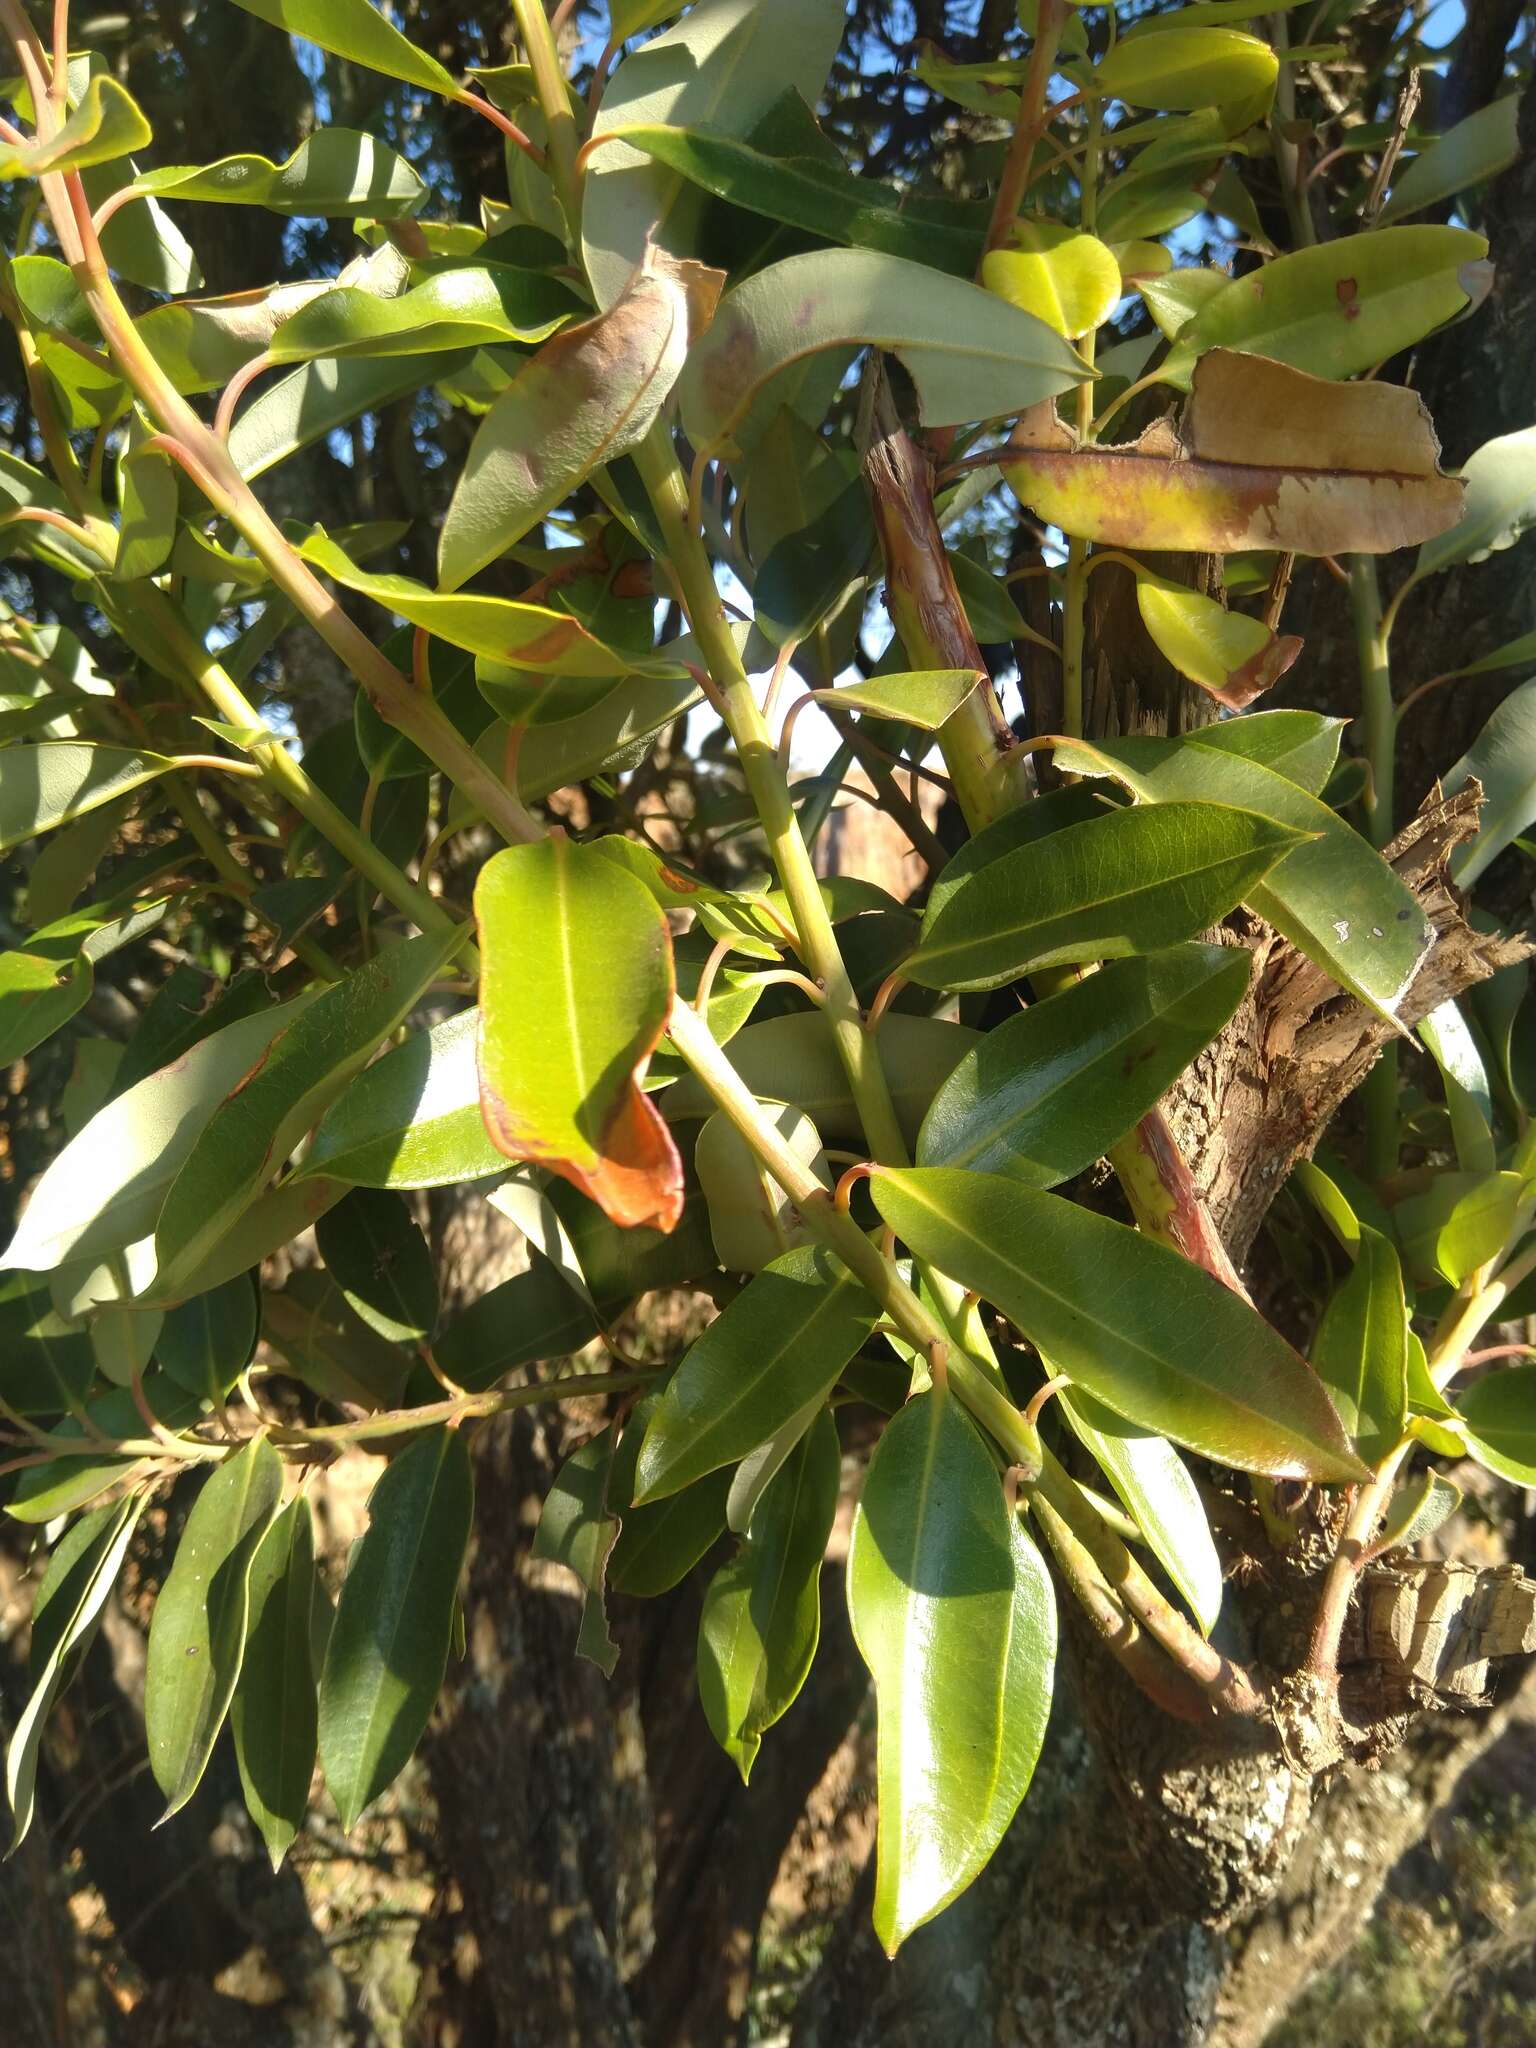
(47, 784)
(1500, 504)
(273, 1713)
(380, 1260)
(1360, 1352)
(577, 1529)
(1503, 759)
(1475, 149)
(1499, 1414)
(751, 1219)
(205, 1343)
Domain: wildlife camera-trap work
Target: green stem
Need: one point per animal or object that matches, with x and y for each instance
(1378, 715)
(1298, 208)
(549, 80)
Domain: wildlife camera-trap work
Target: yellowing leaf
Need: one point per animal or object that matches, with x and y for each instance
(105, 125)
(1185, 69)
(1068, 279)
(574, 994)
(1264, 457)
(1233, 656)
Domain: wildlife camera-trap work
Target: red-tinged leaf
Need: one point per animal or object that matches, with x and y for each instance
(576, 986)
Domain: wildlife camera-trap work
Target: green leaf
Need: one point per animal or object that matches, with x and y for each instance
(751, 1219)
(761, 1618)
(780, 1344)
(336, 173)
(823, 198)
(198, 1630)
(253, 1130)
(207, 1342)
(65, 1614)
(585, 398)
(1051, 1089)
(356, 30)
(925, 698)
(809, 575)
(150, 502)
(48, 1361)
(577, 1529)
(660, 1544)
(1500, 1417)
(1468, 1096)
(104, 1190)
(1184, 68)
(520, 635)
(69, 1481)
(389, 1646)
(1461, 1222)
(1303, 746)
(1503, 759)
(1341, 307)
(379, 1259)
(724, 66)
(575, 989)
(1468, 154)
(1419, 1507)
(970, 354)
(311, 402)
(532, 1316)
(412, 1120)
(1500, 504)
(1334, 896)
(467, 307)
(47, 784)
(1234, 656)
(953, 1612)
(792, 1059)
(1158, 1494)
(1061, 275)
(1154, 1337)
(1133, 881)
(273, 1714)
(1360, 1352)
(621, 1262)
(106, 123)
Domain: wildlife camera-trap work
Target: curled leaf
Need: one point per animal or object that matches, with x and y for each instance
(1235, 657)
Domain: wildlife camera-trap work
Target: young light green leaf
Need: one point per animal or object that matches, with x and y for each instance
(273, 1713)
(1503, 759)
(1456, 1224)
(1499, 1413)
(106, 123)
(1132, 881)
(970, 354)
(1474, 150)
(1234, 656)
(953, 1612)
(389, 1646)
(1158, 1494)
(1184, 68)
(468, 307)
(80, 1576)
(1360, 1352)
(198, 1631)
(761, 1618)
(336, 173)
(575, 989)
(412, 1120)
(780, 1344)
(1048, 1091)
(254, 1129)
(925, 698)
(1334, 896)
(379, 1259)
(358, 31)
(1154, 1337)
(1061, 275)
(585, 398)
(1341, 307)
(578, 1529)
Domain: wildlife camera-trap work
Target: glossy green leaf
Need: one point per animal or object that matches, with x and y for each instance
(970, 354)
(389, 1646)
(106, 123)
(1460, 1224)
(336, 173)
(1360, 1352)
(1186, 68)
(778, 1345)
(724, 66)
(953, 1612)
(1474, 150)
(379, 1259)
(104, 1190)
(577, 1529)
(65, 1615)
(1334, 896)
(1158, 1494)
(585, 398)
(521, 635)
(1048, 1091)
(761, 1618)
(311, 402)
(1341, 307)
(659, 1544)
(253, 1130)
(1133, 881)
(461, 308)
(358, 31)
(412, 1120)
(197, 1634)
(1499, 1412)
(530, 1317)
(1151, 1335)
(575, 988)
(793, 1059)
(1503, 760)
(273, 1713)
(1500, 504)
(47, 784)
(205, 1343)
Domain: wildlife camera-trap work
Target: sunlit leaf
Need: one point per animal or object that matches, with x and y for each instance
(357, 30)
(1234, 656)
(106, 123)
(1474, 150)
(1066, 278)
(335, 173)
(1360, 1351)
(1186, 67)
